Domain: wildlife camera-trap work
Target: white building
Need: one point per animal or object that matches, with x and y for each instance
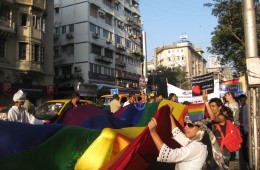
(214, 61)
(181, 54)
(96, 42)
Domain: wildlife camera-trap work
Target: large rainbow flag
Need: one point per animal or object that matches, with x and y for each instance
(66, 147)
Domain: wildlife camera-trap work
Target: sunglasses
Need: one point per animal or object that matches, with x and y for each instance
(190, 125)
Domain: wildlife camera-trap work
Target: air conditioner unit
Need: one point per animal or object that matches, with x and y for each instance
(70, 35)
(77, 69)
(56, 35)
(101, 13)
(108, 41)
(95, 35)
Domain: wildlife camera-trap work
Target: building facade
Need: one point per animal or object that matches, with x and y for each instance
(96, 42)
(26, 49)
(181, 54)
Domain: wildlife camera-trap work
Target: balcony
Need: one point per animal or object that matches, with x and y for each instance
(40, 4)
(103, 59)
(29, 66)
(120, 47)
(136, 52)
(6, 27)
(120, 63)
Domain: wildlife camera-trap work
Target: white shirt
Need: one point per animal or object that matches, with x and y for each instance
(191, 156)
(16, 115)
(126, 103)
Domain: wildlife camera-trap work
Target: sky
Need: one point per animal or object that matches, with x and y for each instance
(166, 20)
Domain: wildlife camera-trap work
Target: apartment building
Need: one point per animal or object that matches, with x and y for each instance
(181, 54)
(26, 49)
(96, 43)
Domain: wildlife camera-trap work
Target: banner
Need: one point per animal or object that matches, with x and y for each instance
(203, 82)
(238, 86)
(186, 95)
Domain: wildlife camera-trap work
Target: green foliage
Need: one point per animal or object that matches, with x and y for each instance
(175, 76)
(228, 39)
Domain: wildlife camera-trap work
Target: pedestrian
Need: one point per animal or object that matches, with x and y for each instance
(243, 152)
(143, 100)
(151, 97)
(115, 104)
(233, 105)
(159, 97)
(173, 97)
(222, 128)
(193, 153)
(73, 103)
(17, 113)
(131, 99)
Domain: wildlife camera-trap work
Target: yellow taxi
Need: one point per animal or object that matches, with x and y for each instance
(106, 99)
(53, 108)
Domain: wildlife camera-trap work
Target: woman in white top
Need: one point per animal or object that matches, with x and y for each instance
(191, 155)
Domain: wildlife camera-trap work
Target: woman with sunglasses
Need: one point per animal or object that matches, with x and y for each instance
(191, 155)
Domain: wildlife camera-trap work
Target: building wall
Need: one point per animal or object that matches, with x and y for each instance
(181, 54)
(113, 71)
(31, 73)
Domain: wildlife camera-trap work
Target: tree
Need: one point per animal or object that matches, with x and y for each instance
(175, 76)
(228, 39)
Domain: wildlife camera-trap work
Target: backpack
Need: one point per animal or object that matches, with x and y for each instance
(233, 139)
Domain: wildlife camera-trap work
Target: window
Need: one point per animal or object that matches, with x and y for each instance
(24, 19)
(36, 53)
(2, 47)
(108, 3)
(108, 53)
(5, 12)
(42, 54)
(22, 50)
(56, 71)
(36, 22)
(43, 25)
(63, 29)
(57, 30)
(99, 69)
(128, 43)
(118, 39)
(127, 13)
(71, 28)
(130, 61)
(94, 28)
(108, 19)
(93, 10)
(107, 34)
(95, 49)
(56, 51)
(91, 67)
(66, 70)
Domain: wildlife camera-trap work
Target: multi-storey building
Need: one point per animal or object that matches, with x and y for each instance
(222, 73)
(26, 49)
(96, 42)
(181, 54)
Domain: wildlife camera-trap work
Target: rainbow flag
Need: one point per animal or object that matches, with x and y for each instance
(196, 111)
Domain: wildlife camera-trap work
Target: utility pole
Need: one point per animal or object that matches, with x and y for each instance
(253, 77)
(145, 58)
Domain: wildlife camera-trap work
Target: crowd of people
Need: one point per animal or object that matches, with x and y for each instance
(214, 141)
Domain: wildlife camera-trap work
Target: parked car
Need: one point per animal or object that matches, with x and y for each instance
(53, 108)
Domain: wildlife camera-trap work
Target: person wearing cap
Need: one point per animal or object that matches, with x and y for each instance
(193, 153)
(114, 104)
(17, 113)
